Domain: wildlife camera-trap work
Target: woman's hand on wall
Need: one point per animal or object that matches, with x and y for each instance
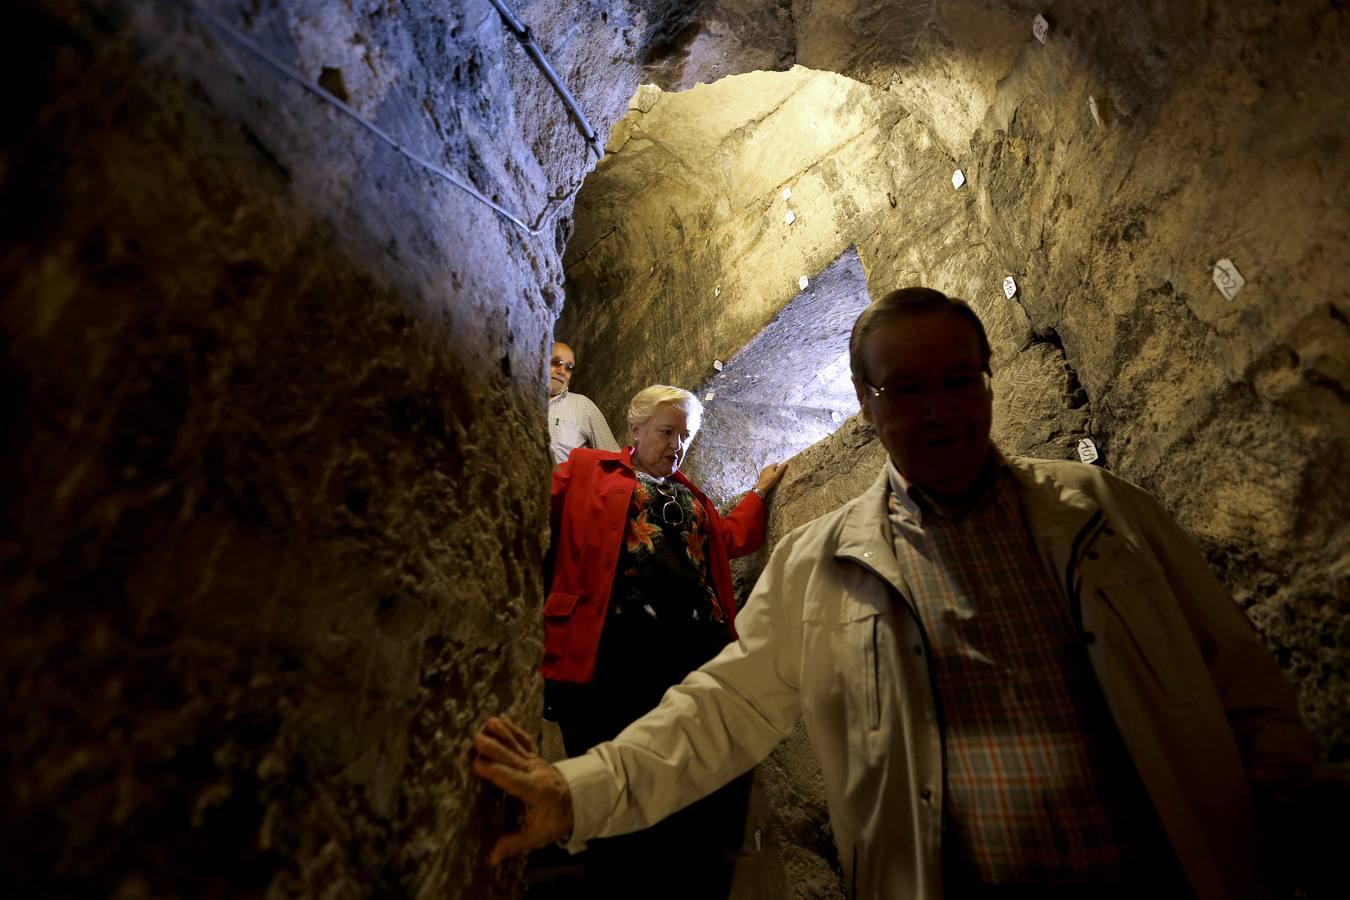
(505, 756)
(769, 478)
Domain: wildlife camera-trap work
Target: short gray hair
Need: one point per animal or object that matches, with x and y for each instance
(645, 402)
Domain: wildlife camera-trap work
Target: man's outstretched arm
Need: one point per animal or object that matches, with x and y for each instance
(722, 719)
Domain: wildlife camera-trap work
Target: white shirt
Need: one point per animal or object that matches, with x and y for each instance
(574, 421)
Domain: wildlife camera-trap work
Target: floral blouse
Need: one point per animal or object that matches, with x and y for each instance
(664, 620)
(663, 565)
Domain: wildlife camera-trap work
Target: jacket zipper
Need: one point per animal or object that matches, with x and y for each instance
(937, 708)
(1082, 542)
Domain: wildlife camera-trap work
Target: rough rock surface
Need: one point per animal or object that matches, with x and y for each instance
(684, 251)
(275, 467)
(784, 390)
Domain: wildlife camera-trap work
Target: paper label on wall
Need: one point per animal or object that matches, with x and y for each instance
(1040, 28)
(717, 364)
(958, 179)
(1228, 279)
(1096, 113)
(790, 217)
(1009, 287)
(803, 282)
(787, 193)
(1087, 451)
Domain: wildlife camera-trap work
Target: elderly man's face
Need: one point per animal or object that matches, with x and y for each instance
(935, 408)
(560, 367)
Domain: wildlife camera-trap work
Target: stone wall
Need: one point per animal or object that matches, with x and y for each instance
(682, 252)
(275, 464)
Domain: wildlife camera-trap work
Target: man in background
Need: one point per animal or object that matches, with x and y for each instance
(573, 420)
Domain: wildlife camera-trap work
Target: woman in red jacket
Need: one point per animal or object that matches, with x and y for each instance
(639, 596)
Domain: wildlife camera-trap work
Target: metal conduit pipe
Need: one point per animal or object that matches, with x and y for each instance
(243, 40)
(526, 38)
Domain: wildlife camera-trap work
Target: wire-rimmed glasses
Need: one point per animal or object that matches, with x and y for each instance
(908, 397)
(672, 500)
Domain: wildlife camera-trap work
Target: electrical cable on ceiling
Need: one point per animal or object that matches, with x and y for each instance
(294, 75)
(532, 49)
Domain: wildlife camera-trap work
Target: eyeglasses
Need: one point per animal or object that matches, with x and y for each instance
(908, 397)
(672, 500)
(555, 361)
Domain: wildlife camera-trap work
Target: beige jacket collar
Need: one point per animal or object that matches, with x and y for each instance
(865, 533)
(1057, 514)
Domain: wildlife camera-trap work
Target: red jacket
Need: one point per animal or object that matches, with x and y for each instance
(591, 493)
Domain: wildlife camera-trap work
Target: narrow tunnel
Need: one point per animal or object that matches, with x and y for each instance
(280, 282)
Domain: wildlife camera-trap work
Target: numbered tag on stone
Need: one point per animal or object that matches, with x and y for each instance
(717, 291)
(717, 364)
(958, 179)
(1040, 28)
(803, 282)
(1228, 279)
(789, 218)
(1096, 113)
(1009, 287)
(1087, 451)
(707, 398)
(787, 193)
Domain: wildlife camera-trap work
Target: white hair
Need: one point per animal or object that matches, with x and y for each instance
(645, 402)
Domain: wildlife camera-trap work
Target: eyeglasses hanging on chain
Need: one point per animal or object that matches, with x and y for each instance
(672, 500)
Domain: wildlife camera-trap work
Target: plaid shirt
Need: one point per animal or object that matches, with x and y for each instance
(1036, 781)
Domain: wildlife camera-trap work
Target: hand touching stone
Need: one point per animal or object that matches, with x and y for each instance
(769, 478)
(505, 756)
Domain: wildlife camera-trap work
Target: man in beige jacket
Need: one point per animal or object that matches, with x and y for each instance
(1020, 677)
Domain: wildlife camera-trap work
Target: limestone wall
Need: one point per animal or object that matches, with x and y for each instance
(275, 457)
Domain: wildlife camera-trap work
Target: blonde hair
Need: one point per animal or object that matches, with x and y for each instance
(645, 402)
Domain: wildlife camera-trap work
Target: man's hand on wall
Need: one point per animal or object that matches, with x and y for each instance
(505, 756)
